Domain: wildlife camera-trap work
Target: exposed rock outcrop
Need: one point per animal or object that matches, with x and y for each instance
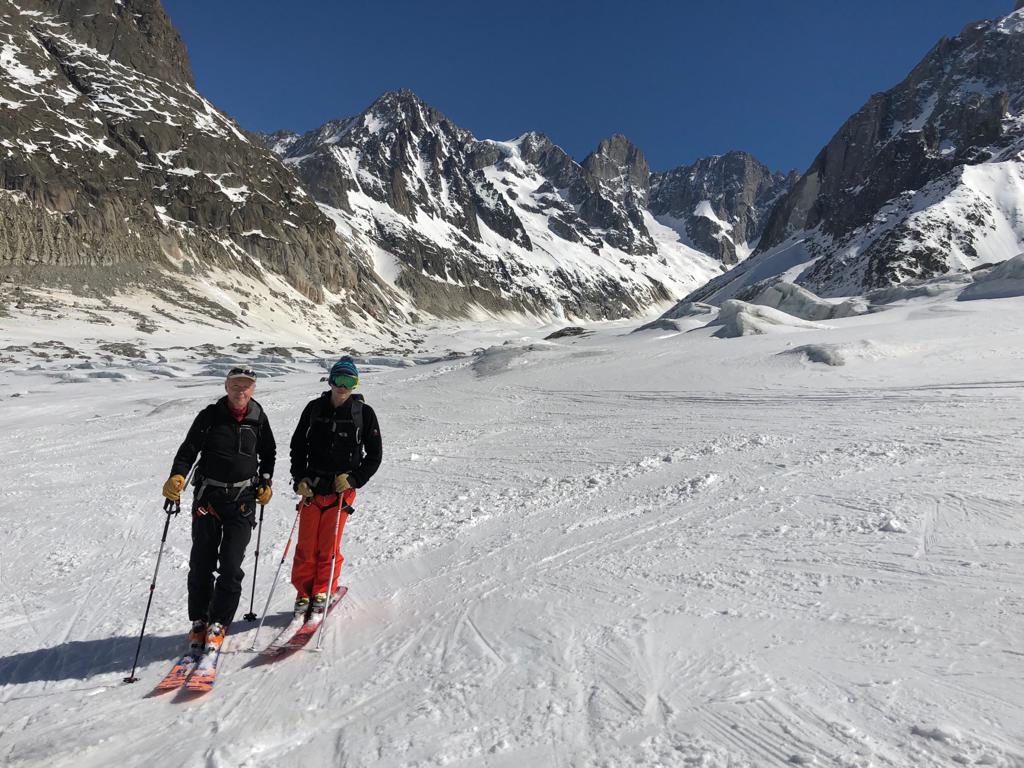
(114, 169)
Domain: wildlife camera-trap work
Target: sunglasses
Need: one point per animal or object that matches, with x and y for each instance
(343, 380)
(242, 372)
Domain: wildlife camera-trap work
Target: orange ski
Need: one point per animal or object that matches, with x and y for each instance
(178, 675)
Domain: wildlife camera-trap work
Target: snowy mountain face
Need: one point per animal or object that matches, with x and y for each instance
(721, 203)
(116, 172)
(118, 178)
(458, 223)
(925, 179)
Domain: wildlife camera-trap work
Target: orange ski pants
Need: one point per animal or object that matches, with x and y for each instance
(318, 519)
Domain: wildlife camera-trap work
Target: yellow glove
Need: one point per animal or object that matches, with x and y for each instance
(263, 493)
(173, 487)
(341, 483)
(304, 488)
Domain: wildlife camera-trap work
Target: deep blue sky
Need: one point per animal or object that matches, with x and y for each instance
(680, 78)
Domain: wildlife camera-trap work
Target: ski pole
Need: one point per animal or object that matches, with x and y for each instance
(250, 616)
(171, 508)
(287, 546)
(343, 509)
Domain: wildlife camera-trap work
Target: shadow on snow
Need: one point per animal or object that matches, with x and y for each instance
(81, 659)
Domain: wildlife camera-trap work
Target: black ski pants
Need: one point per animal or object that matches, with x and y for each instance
(220, 534)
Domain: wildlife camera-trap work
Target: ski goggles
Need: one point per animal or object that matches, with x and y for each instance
(344, 380)
(242, 372)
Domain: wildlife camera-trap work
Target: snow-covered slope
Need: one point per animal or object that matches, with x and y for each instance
(927, 178)
(655, 549)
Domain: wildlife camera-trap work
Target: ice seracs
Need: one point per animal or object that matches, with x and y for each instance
(1003, 281)
(738, 318)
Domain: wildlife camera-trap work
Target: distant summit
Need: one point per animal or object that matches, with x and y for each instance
(926, 178)
(721, 203)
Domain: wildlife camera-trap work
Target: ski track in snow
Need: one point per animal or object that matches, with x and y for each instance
(548, 571)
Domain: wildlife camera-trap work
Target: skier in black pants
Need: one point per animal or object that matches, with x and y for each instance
(236, 451)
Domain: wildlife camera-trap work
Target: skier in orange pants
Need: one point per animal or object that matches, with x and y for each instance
(318, 521)
(336, 448)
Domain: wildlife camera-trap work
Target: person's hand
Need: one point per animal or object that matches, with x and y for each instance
(264, 492)
(341, 483)
(173, 487)
(304, 488)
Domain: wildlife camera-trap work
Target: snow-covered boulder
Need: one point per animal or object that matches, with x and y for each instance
(800, 302)
(828, 354)
(738, 318)
(691, 309)
(842, 353)
(893, 525)
(863, 350)
(1001, 282)
(508, 357)
(682, 317)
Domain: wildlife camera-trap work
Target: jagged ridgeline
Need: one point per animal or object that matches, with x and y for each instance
(519, 225)
(114, 170)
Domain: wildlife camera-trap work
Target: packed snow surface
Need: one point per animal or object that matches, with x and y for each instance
(605, 550)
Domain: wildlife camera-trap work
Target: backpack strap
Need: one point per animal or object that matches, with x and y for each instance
(357, 417)
(255, 417)
(254, 414)
(207, 424)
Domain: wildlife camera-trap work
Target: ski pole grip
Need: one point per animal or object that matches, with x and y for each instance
(172, 507)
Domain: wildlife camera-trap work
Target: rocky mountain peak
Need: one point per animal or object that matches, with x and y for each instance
(403, 110)
(277, 142)
(136, 33)
(720, 203)
(620, 163)
(611, 192)
(535, 141)
(553, 162)
(401, 101)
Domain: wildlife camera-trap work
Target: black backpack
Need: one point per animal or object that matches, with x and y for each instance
(324, 412)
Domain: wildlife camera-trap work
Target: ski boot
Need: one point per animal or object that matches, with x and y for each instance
(319, 603)
(301, 606)
(197, 637)
(214, 638)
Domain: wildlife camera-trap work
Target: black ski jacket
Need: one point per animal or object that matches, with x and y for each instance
(325, 443)
(230, 451)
